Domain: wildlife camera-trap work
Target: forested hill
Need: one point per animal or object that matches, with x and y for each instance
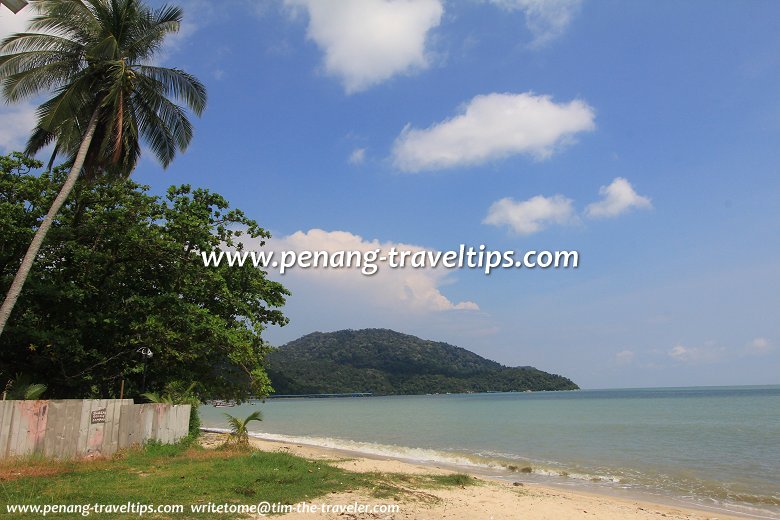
(386, 362)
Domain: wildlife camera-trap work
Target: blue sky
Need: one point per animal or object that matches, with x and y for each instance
(642, 134)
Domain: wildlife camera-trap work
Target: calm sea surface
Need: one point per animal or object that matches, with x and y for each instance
(717, 447)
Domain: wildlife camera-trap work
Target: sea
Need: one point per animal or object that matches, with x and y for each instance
(716, 448)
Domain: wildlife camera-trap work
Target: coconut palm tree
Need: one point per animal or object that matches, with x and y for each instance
(96, 57)
(239, 432)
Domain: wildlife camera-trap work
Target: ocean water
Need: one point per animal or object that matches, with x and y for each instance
(714, 447)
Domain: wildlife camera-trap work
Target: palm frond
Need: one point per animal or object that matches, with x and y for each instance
(149, 36)
(179, 84)
(154, 397)
(34, 392)
(236, 425)
(20, 387)
(29, 73)
(69, 18)
(155, 130)
(22, 42)
(254, 416)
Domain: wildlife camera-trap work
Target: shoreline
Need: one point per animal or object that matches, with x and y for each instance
(493, 497)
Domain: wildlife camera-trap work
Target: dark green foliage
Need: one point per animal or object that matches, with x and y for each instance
(386, 362)
(120, 270)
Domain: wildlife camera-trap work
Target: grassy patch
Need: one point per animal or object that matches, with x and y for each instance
(405, 485)
(179, 475)
(455, 479)
(189, 474)
(21, 467)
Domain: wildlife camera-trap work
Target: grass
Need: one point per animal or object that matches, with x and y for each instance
(399, 486)
(189, 474)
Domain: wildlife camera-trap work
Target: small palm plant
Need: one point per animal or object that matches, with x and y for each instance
(175, 393)
(23, 389)
(239, 434)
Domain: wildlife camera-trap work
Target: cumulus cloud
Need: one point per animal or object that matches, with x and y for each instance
(358, 156)
(532, 215)
(695, 355)
(759, 346)
(367, 42)
(546, 19)
(617, 198)
(407, 289)
(493, 126)
(625, 357)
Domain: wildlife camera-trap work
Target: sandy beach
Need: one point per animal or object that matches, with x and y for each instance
(487, 499)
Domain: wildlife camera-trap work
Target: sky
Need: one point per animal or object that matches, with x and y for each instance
(644, 135)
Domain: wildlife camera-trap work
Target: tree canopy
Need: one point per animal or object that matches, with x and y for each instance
(119, 271)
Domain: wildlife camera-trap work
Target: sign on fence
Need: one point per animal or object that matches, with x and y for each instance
(98, 416)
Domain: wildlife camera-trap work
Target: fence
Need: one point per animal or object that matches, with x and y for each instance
(86, 427)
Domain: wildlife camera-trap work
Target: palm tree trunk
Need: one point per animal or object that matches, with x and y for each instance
(40, 235)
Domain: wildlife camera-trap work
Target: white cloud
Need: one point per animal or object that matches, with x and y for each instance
(759, 346)
(532, 215)
(18, 120)
(625, 357)
(681, 353)
(367, 42)
(358, 156)
(617, 198)
(175, 42)
(546, 19)
(695, 355)
(406, 290)
(493, 126)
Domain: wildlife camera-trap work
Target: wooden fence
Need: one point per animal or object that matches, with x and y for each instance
(86, 427)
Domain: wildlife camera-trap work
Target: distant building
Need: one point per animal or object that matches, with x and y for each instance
(14, 5)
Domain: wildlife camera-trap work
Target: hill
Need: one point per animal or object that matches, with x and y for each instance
(385, 362)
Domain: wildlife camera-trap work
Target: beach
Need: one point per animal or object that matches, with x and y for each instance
(487, 498)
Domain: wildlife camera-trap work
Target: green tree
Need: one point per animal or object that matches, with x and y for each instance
(122, 270)
(95, 55)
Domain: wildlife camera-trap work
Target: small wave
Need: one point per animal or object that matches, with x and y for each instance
(507, 465)
(420, 455)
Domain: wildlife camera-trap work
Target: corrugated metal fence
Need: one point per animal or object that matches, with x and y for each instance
(86, 427)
